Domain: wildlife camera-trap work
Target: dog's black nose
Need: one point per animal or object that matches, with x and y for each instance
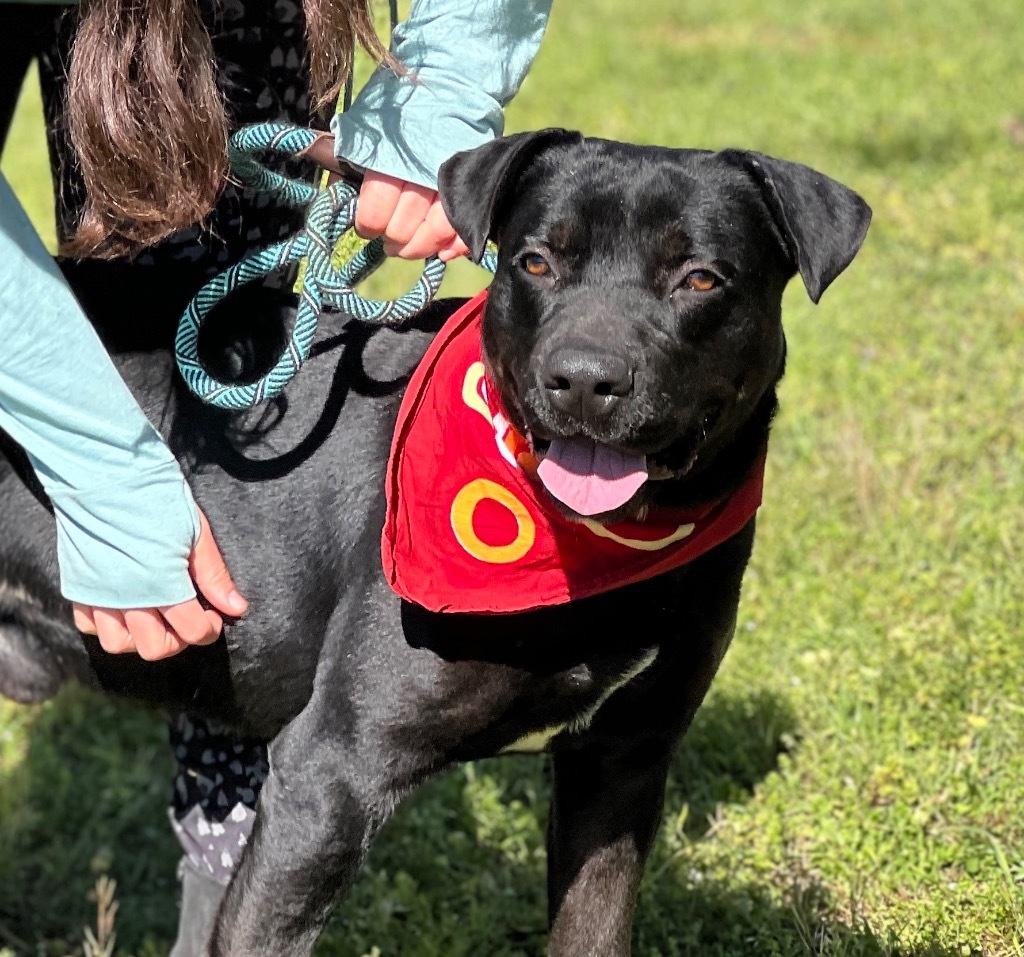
(586, 384)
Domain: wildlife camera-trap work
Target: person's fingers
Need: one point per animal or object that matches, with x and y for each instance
(111, 630)
(192, 624)
(433, 234)
(152, 638)
(453, 250)
(378, 197)
(153, 633)
(206, 565)
(424, 243)
(84, 621)
(410, 213)
(160, 633)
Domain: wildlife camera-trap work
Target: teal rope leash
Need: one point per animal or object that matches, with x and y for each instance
(331, 213)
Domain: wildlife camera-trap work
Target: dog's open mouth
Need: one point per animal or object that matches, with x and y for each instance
(593, 478)
(589, 477)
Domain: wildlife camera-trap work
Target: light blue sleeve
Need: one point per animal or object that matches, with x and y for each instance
(466, 59)
(126, 521)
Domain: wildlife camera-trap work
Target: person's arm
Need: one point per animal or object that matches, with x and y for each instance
(126, 521)
(465, 61)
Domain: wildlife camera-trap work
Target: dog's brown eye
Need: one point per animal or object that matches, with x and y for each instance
(536, 265)
(700, 280)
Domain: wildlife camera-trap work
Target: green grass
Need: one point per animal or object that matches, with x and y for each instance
(854, 784)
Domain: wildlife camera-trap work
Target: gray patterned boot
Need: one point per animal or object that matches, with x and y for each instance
(200, 898)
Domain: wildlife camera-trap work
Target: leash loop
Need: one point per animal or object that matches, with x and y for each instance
(331, 212)
(288, 141)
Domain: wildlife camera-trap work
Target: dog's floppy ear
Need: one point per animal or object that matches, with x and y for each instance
(822, 222)
(474, 185)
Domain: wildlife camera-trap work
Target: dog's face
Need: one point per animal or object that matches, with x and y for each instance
(634, 323)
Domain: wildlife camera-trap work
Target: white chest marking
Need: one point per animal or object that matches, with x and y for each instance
(539, 740)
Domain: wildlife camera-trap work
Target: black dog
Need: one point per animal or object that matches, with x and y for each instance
(635, 315)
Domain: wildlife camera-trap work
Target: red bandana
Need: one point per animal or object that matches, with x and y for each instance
(469, 529)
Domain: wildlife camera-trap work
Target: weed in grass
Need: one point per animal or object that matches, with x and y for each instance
(100, 943)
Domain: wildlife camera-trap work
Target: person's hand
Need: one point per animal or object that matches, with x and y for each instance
(409, 217)
(161, 632)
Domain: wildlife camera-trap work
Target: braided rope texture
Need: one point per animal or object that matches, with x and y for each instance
(331, 213)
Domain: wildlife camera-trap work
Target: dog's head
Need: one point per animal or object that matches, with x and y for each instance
(634, 326)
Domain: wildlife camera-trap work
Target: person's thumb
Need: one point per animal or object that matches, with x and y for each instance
(206, 565)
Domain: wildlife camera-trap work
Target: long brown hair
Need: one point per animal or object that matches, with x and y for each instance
(148, 123)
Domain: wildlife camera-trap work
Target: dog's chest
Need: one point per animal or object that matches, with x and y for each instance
(540, 738)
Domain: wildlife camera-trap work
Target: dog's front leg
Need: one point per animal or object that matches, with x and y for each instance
(605, 810)
(319, 809)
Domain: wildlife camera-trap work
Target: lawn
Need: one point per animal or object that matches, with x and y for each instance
(854, 784)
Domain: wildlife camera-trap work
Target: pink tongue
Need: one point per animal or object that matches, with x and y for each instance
(591, 478)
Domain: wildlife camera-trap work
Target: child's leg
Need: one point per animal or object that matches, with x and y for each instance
(216, 784)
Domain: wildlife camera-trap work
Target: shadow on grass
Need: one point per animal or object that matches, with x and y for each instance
(733, 743)
(461, 871)
(893, 145)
